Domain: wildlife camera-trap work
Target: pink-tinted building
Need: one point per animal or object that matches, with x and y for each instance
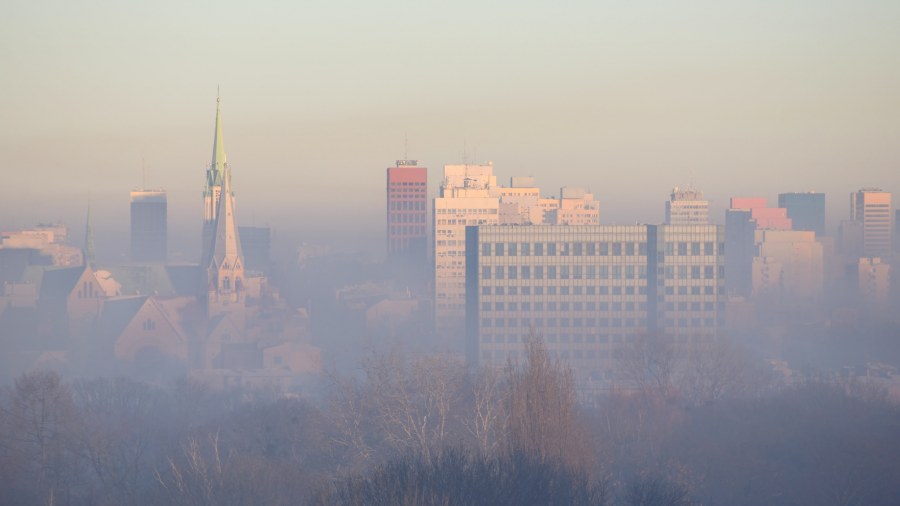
(407, 211)
(767, 218)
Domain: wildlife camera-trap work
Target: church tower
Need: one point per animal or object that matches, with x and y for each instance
(223, 260)
(215, 176)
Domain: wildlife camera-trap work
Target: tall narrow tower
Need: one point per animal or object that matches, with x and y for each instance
(223, 260)
(215, 176)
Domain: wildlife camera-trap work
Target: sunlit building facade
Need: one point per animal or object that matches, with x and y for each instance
(686, 206)
(407, 212)
(871, 207)
(587, 290)
(468, 197)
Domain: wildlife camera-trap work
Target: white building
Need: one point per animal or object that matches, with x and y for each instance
(687, 207)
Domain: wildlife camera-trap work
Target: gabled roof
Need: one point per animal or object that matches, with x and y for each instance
(117, 313)
(61, 282)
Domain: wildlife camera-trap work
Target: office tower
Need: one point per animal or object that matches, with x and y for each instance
(520, 202)
(871, 207)
(873, 283)
(788, 269)
(407, 213)
(686, 206)
(148, 225)
(576, 207)
(589, 290)
(223, 258)
(744, 217)
(806, 210)
(256, 243)
(468, 196)
(768, 218)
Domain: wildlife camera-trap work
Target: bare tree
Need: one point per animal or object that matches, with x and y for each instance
(648, 364)
(489, 417)
(37, 419)
(544, 421)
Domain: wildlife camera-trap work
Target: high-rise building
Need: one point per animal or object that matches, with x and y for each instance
(148, 225)
(590, 290)
(871, 207)
(407, 213)
(576, 207)
(686, 206)
(468, 196)
(744, 217)
(806, 210)
(256, 243)
(788, 269)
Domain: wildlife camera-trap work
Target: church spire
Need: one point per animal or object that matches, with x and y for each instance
(217, 166)
(89, 252)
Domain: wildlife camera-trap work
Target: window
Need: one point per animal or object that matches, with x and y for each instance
(485, 273)
(525, 248)
(526, 272)
(498, 249)
(486, 249)
(498, 272)
(551, 249)
(512, 249)
(538, 249)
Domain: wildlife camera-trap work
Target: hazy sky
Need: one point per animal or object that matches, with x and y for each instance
(626, 98)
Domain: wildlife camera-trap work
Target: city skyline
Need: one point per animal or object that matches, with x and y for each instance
(622, 100)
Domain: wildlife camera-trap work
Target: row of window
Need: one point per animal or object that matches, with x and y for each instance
(418, 230)
(407, 218)
(565, 272)
(407, 205)
(631, 323)
(537, 249)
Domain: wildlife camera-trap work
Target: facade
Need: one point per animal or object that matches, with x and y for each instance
(806, 210)
(788, 269)
(871, 208)
(149, 225)
(468, 197)
(873, 282)
(686, 206)
(407, 212)
(256, 243)
(588, 290)
(576, 207)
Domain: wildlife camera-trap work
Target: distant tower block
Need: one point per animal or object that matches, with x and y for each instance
(686, 206)
(407, 212)
(871, 207)
(148, 225)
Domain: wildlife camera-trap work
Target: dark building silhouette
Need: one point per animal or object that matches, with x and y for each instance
(806, 210)
(256, 243)
(148, 226)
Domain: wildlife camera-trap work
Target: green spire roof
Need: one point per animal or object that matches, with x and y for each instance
(217, 167)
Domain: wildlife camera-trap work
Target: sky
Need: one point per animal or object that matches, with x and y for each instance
(627, 99)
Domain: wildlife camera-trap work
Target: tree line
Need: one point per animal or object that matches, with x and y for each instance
(705, 425)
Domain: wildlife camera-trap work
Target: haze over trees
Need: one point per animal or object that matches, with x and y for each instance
(706, 426)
